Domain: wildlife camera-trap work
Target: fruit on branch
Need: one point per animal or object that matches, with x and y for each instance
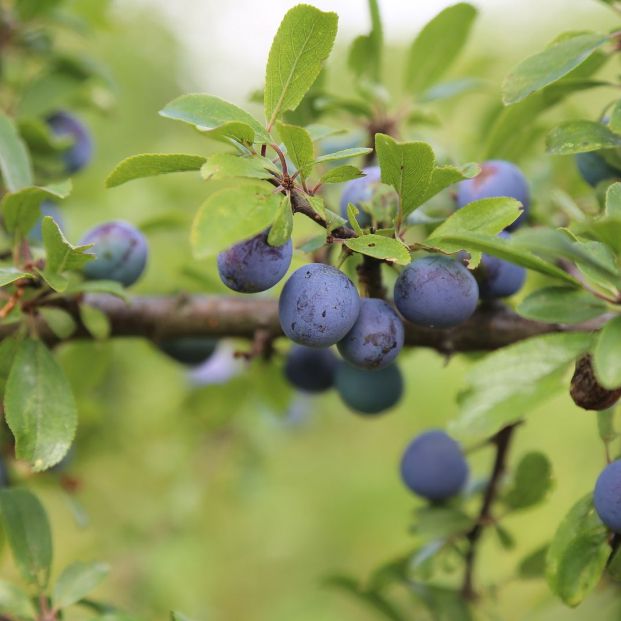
(497, 178)
(253, 265)
(433, 466)
(436, 292)
(121, 253)
(498, 278)
(586, 392)
(607, 496)
(369, 392)
(376, 338)
(189, 350)
(309, 369)
(48, 208)
(79, 154)
(594, 169)
(318, 305)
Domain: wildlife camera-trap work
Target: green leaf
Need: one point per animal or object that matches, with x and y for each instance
(8, 348)
(178, 616)
(380, 247)
(14, 159)
(606, 359)
(15, 602)
(301, 45)
(28, 532)
(61, 255)
(427, 61)
(341, 174)
(299, 146)
(365, 53)
(550, 65)
(448, 89)
(580, 137)
(495, 397)
(60, 322)
(614, 122)
(506, 249)
(226, 165)
(151, 165)
(443, 177)
(440, 522)
(613, 200)
(95, 321)
(531, 482)
(39, 405)
(533, 565)
(231, 215)
(408, 167)
(76, 581)
(282, 227)
(578, 553)
(218, 118)
(344, 154)
(486, 215)
(21, 209)
(98, 286)
(9, 275)
(561, 305)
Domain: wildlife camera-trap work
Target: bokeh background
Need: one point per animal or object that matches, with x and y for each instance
(235, 500)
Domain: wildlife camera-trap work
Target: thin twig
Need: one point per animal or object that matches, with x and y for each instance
(502, 441)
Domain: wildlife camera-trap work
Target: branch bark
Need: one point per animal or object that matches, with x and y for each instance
(159, 317)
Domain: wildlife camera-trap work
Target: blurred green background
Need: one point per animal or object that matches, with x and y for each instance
(234, 501)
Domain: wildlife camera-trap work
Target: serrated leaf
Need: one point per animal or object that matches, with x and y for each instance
(282, 227)
(344, 154)
(95, 321)
(218, 118)
(486, 215)
(9, 275)
(15, 602)
(427, 61)
(531, 482)
(408, 167)
(232, 215)
(59, 321)
(495, 397)
(443, 177)
(40, 408)
(578, 553)
(606, 358)
(303, 42)
(14, 159)
(561, 305)
(299, 146)
(550, 65)
(227, 165)
(504, 249)
(28, 532)
(380, 247)
(580, 137)
(61, 256)
(21, 209)
(77, 581)
(341, 174)
(151, 165)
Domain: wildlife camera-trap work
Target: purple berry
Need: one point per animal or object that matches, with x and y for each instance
(253, 265)
(309, 369)
(79, 154)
